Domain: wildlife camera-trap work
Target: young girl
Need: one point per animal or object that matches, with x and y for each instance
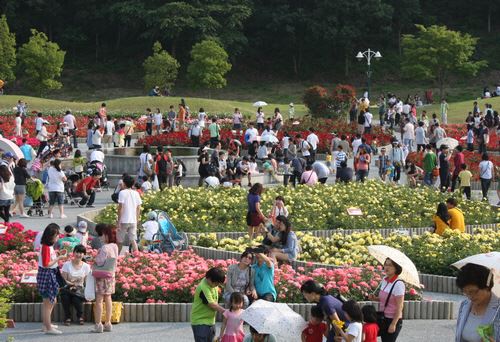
(232, 325)
(354, 332)
(370, 326)
(278, 209)
(48, 269)
(79, 163)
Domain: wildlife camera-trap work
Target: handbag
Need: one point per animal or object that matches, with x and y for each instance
(60, 280)
(106, 271)
(89, 292)
(381, 321)
(77, 291)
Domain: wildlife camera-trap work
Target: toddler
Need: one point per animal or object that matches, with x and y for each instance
(370, 326)
(353, 313)
(316, 328)
(232, 325)
(150, 229)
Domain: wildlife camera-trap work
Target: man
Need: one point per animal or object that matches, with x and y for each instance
(103, 113)
(313, 140)
(164, 168)
(70, 120)
(340, 156)
(214, 129)
(195, 133)
(420, 136)
(109, 130)
(298, 165)
(85, 189)
(444, 111)
(344, 174)
(42, 136)
(335, 143)
(232, 166)
(345, 144)
(38, 123)
(181, 115)
(303, 146)
(409, 135)
(291, 111)
(368, 121)
(356, 143)
(382, 163)
(8, 159)
(429, 164)
(397, 160)
(171, 117)
(321, 170)
(444, 168)
(129, 213)
(458, 161)
(457, 220)
(205, 305)
(28, 151)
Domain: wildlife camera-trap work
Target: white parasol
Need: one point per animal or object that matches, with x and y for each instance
(489, 260)
(450, 142)
(409, 274)
(8, 146)
(260, 104)
(269, 138)
(277, 319)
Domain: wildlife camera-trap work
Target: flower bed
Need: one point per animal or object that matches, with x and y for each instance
(311, 208)
(431, 253)
(472, 159)
(459, 131)
(160, 278)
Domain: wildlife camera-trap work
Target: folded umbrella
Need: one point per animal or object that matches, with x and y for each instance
(489, 260)
(409, 274)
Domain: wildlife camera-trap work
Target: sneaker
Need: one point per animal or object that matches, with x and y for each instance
(64, 216)
(98, 328)
(52, 325)
(90, 206)
(51, 215)
(53, 331)
(80, 205)
(24, 215)
(108, 327)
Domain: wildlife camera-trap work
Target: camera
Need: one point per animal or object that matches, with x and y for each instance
(257, 250)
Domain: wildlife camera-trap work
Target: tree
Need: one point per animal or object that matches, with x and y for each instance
(160, 69)
(41, 62)
(7, 51)
(209, 65)
(436, 53)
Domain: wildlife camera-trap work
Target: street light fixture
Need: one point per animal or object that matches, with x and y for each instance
(368, 54)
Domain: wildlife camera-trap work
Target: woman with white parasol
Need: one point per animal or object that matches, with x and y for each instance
(479, 315)
(399, 269)
(260, 114)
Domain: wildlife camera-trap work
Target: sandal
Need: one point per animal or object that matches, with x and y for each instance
(67, 322)
(81, 321)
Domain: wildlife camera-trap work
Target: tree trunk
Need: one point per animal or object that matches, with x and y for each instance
(96, 47)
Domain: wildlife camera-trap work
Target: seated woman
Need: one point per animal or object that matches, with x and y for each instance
(413, 173)
(264, 277)
(240, 278)
(74, 272)
(441, 219)
(481, 309)
(289, 241)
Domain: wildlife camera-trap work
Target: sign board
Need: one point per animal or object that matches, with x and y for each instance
(354, 211)
(29, 277)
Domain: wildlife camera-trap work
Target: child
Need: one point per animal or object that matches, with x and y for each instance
(232, 324)
(146, 184)
(287, 171)
(470, 137)
(69, 241)
(205, 305)
(328, 160)
(48, 269)
(82, 234)
(370, 327)
(465, 176)
(316, 328)
(353, 313)
(278, 209)
(269, 169)
(150, 229)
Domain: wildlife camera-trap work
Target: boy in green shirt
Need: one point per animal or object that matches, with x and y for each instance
(429, 163)
(205, 305)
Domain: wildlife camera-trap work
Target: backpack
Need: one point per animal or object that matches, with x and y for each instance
(184, 171)
(164, 167)
(361, 119)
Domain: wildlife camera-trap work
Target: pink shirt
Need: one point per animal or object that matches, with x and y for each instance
(309, 177)
(398, 291)
(234, 324)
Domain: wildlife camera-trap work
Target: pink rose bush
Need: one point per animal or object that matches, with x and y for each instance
(160, 278)
(15, 237)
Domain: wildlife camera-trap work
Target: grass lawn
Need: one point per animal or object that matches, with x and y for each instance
(139, 104)
(457, 112)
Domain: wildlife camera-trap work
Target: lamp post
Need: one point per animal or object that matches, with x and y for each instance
(368, 54)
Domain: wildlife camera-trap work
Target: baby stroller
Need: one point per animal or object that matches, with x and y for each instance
(34, 197)
(69, 189)
(96, 165)
(168, 239)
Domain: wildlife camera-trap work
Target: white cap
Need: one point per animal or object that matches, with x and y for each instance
(82, 226)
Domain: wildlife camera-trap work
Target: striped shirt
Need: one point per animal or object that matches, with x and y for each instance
(340, 157)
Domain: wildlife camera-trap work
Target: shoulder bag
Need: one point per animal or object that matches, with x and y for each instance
(106, 271)
(381, 319)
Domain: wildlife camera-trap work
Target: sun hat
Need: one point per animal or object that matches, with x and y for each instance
(152, 216)
(291, 104)
(82, 226)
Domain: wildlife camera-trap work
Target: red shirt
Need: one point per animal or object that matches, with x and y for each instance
(458, 160)
(90, 183)
(314, 332)
(371, 331)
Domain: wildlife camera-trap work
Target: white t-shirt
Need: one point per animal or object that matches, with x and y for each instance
(409, 131)
(70, 120)
(304, 148)
(251, 132)
(55, 182)
(145, 159)
(368, 119)
(110, 127)
(73, 273)
(355, 145)
(97, 155)
(260, 117)
(286, 142)
(96, 137)
(18, 121)
(150, 229)
(355, 329)
(485, 169)
(130, 200)
(313, 140)
(38, 123)
(146, 186)
(158, 118)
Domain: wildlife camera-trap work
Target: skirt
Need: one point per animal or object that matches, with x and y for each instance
(105, 286)
(46, 283)
(253, 219)
(233, 338)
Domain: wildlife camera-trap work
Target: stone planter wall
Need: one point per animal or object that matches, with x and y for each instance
(180, 312)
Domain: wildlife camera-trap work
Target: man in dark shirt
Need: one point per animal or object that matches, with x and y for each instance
(344, 174)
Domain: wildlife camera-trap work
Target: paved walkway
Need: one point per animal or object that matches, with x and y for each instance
(413, 331)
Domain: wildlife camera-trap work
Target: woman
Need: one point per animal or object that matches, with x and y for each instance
(278, 209)
(486, 174)
(313, 292)
(362, 163)
(55, 187)
(277, 120)
(75, 272)
(20, 177)
(441, 219)
(260, 119)
(97, 137)
(289, 241)
(237, 119)
(240, 278)
(264, 277)
(105, 287)
(7, 186)
(79, 163)
(255, 217)
(391, 298)
(204, 162)
(481, 307)
(90, 132)
(202, 117)
(42, 136)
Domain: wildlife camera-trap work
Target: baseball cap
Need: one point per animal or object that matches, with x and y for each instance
(82, 226)
(152, 215)
(8, 155)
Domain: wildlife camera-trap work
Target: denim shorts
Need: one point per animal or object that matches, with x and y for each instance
(20, 190)
(56, 196)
